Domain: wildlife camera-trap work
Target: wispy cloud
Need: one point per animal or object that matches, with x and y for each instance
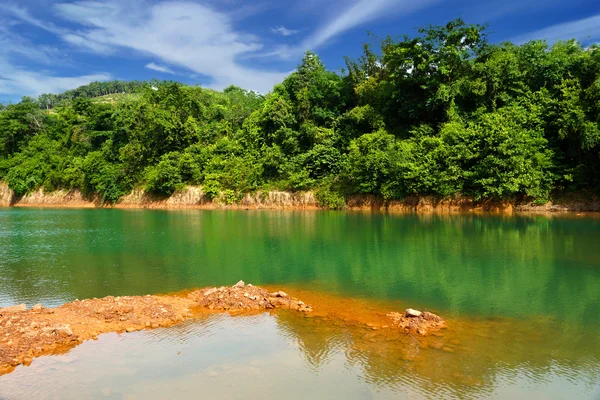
(283, 31)
(160, 68)
(33, 83)
(360, 12)
(18, 80)
(184, 34)
(586, 30)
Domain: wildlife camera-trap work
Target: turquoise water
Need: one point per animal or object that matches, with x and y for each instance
(535, 279)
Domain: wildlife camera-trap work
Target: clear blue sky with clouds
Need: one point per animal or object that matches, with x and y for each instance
(51, 46)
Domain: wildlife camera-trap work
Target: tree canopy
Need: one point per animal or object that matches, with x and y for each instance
(438, 113)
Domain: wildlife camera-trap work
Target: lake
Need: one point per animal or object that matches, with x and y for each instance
(521, 295)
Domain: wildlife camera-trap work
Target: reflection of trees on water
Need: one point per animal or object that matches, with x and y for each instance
(457, 264)
(315, 339)
(469, 360)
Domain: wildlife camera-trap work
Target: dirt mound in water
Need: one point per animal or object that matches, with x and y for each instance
(245, 297)
(25, 334)
(417, 322)
(28, 333)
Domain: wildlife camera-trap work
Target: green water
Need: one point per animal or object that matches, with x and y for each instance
(536, 277)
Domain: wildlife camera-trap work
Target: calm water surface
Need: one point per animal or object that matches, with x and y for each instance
(523, 295)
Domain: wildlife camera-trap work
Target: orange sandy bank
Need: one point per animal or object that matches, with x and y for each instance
(28, 333)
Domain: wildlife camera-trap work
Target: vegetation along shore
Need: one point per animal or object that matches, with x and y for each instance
(443, 115)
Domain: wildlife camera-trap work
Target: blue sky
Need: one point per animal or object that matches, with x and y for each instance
(51, 46)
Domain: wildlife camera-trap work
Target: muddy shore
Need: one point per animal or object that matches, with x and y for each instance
(26, 333)
(192, 197)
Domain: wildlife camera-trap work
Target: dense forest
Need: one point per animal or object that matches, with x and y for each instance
(440, 113)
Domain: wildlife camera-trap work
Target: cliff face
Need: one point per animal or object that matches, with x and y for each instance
(193, 197)
(58, 198)
(6, 195)
(428, 204)
(575, 202)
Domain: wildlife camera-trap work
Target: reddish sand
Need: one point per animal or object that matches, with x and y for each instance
(28, 333)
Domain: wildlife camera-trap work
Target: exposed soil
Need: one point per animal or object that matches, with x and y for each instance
(193, 197)
(414, 321)
(245, 297)
(28, 333)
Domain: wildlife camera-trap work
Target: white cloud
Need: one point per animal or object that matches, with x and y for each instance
(18, 81)
(81, 42)
(185, 34)
(193, 36)
(585, 30)
(359, 13)
(160, 68)
(21, 82)
(283, 31)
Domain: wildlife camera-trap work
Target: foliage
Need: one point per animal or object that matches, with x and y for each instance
(441, 112)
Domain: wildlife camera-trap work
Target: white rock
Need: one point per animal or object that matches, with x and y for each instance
(413, 313)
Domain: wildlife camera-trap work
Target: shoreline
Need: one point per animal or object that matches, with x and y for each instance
(192, 198)
(29, 333)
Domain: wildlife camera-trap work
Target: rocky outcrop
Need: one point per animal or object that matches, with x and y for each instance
(6, 195)
(245, 297)
(281, 200)
(574, 202)
(193, 197)
(190, 197)
(58, 198)
(417, 322)
(458, 203)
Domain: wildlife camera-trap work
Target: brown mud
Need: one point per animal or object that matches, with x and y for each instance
(193, 197)
(28, 333)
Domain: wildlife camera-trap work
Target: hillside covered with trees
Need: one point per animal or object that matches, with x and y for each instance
(440, 113)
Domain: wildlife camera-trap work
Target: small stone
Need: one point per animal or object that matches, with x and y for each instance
(240, 284)
(413, 313)
(210, 291)
(37, 307)
(148, 324)
(58, 329)
(129, 329)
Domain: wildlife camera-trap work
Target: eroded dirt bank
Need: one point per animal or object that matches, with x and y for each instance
(28, 333)
(192, 197)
